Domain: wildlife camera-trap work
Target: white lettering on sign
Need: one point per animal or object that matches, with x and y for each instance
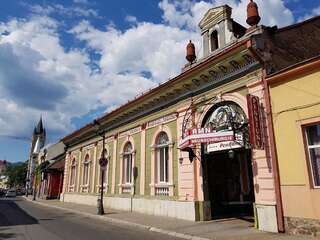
(162, 120)
(130, 132)
(225, 145)
(205, 135)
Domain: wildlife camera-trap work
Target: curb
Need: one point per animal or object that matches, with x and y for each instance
(123, 222)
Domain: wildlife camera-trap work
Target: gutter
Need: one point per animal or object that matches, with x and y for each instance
(273, 149)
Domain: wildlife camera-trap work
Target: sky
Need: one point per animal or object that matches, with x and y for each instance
(74, 60)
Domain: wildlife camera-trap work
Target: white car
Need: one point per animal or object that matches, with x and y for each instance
(11, 193)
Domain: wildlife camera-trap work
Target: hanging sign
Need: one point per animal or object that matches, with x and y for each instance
(205, 135)
(225, 145)
(255, 121)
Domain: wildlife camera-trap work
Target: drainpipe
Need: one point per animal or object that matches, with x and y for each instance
(274, 156)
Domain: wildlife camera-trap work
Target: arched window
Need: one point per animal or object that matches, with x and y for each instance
(127, 163)
(73, 173)
(214, 41)
(162, 157)
(86, 170)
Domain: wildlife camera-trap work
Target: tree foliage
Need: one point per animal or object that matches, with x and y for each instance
(16, 173)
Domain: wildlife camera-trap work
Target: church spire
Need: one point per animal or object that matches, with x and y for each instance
(40, 129)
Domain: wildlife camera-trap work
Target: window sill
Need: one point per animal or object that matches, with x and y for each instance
(161, 185)
(126, 185)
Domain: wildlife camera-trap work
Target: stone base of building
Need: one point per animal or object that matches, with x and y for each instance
(168, 208)
(267, 218)
(302, 226)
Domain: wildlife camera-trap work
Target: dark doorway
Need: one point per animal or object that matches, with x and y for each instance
(230, 183)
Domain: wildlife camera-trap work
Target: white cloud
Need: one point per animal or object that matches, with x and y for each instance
(187, 13)
(81, 1)
(131, 19)
(72, 11)
(37, 75)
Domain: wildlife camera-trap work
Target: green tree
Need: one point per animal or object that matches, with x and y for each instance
(16, 173)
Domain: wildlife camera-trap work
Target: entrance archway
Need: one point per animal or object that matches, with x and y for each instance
(228, 178)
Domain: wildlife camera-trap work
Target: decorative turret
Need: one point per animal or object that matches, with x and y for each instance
(191, 52)
(218, 29)
(253, 17)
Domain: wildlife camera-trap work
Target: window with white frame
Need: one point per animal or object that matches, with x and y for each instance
(127, 163)
(162, 158)
(313, 145)
(73, 173)
(86, 170)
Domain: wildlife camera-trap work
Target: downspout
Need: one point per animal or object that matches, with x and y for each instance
(273, 149)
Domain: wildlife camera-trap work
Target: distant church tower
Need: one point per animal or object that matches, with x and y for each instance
(37, 142)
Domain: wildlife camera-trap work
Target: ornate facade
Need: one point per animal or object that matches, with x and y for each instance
(197, 147)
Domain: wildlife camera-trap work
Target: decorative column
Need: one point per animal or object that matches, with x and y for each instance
(121, 173)
(79, 171)
(114, 164)
(93, 182)
(153, 180)
(66, 177)
(143, 161)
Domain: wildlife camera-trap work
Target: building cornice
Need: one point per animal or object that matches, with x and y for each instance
(210, 73)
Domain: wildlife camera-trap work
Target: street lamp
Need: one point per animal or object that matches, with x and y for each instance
(27, 186)
(103, 162)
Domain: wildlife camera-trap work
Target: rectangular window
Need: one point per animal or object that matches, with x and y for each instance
(85, 175)
(128, 168)
(72, 177)
(313, 146)
(163, 159)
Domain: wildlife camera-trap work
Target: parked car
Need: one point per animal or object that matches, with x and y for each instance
(11, 193)
(21, 191)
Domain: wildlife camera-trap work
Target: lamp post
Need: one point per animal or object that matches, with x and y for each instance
(34, 186)
(103, 162)
(27, 186)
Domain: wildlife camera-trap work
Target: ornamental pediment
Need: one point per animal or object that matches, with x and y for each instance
(214, 16)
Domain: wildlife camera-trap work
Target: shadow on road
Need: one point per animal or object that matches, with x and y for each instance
(6, 235)
(11, 215)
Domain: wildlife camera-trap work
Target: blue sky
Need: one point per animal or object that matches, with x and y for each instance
(71, 61)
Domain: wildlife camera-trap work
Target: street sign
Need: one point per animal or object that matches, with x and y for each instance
(103, 162)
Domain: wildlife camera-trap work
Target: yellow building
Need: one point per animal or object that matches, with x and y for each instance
(295, 100)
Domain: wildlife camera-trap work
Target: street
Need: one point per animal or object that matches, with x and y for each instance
(20, 219)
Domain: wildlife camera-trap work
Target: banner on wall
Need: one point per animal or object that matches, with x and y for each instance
(205, 135)
(255, 122)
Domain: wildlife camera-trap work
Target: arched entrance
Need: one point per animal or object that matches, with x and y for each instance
(228, 178)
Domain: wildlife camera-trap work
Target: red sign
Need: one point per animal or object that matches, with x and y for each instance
(255, 121)
(204, 135)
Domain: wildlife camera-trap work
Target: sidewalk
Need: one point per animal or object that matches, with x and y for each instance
(227, 229)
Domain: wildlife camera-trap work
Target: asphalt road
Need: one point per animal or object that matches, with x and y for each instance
(20, 219)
